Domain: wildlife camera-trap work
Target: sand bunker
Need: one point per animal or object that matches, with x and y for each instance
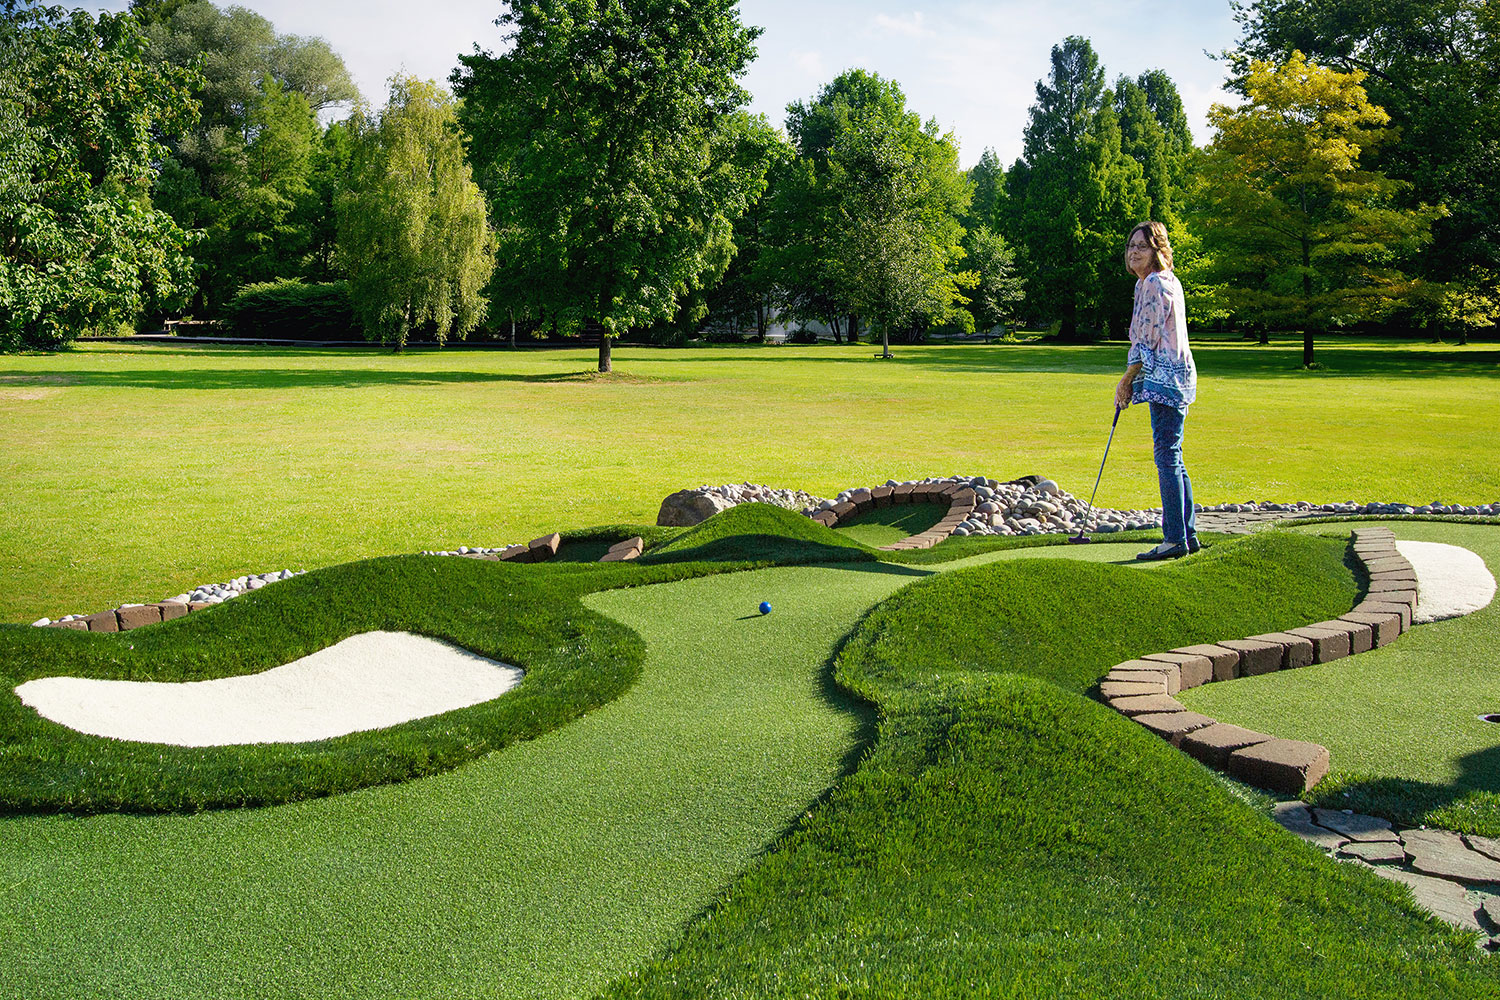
(1451, 580)
(368, 681)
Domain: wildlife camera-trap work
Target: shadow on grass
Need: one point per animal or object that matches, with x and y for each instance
(303, 378)
(1468, 804)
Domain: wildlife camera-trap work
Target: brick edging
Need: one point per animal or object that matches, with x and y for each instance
(960, 497)
(1142, 689)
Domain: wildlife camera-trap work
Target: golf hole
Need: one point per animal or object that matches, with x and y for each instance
(1492, 717)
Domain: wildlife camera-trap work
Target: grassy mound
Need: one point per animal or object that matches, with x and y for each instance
(1070, 621)
(529, 616)
(1006, 836)
(759, 533)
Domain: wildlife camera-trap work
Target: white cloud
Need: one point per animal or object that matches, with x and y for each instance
(911, 26)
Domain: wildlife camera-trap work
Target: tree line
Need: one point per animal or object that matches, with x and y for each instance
(601, 176)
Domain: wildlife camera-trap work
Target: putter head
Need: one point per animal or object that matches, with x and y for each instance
(1079, 539)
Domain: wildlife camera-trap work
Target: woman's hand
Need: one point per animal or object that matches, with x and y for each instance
(1122, 394)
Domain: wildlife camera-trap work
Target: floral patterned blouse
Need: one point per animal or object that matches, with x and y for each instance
(1158, 341)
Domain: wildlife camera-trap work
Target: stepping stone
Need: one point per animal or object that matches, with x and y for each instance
(1143, 704)
(1296, 651)
(1192, 669)
(1356, 826)
(1490, 910)
(1287, 766)
(1487, 846)
(1327, 644)
(1213, 744)
(1375, 852)
(1173, 726)
(1325, 839)
(1444, 899)
(1291, 812)
(1445, 855)
(1226, 661)
(1256, 655)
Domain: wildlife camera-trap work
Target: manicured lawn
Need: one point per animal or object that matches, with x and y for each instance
(133, 472)
(1401, 721)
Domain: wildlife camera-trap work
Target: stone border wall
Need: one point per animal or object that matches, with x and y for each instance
(1142, 689)
(960, 497)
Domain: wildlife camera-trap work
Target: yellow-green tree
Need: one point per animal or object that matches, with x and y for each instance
(414, 238)
(1300, 234)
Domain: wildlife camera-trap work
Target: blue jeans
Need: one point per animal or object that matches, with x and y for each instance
(1178, 522)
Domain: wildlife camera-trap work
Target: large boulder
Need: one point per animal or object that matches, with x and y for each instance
(686, 508)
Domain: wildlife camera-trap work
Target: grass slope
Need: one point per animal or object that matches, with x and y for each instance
(132, 472)
(1007, 838)
(1401, 721)
(758, 533)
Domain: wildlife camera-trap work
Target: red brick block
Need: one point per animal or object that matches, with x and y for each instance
(1144, 704)
(1385, 625)
(1361, 636)
(1296, 650)
(1327, 645)
(826, 518)
(843, 510)
(104, 621)
(1226, 662)
(516, 554)
(902, 493)
(76, 625)
(544, 548)
(143, 614)
(1148, 672)
(1375, 607)
(1287, 766)
(1173, 726)
(1256, 656)
(1213, 744)
(882, 495)
(1388, 564)
(172, 609)
(198, 606)
(1193, 669)
(1109, 690)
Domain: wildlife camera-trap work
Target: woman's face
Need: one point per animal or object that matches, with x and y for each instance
(1139, 254)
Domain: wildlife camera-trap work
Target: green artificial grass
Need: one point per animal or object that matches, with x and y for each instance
(132, 472)
(885, 525)
(758, 533)
(543, 869)
(1007, 837)
(1069, 622)
(1401, 722)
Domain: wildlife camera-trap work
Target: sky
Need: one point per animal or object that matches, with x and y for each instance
(971, 66)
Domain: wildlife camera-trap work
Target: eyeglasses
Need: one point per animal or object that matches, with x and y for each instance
(1138, 246)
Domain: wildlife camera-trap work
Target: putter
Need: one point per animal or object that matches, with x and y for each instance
(1081, 539)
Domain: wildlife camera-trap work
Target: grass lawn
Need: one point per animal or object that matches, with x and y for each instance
(132, 472)
(1401, 721)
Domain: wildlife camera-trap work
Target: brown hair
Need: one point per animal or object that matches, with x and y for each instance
(1161, 247)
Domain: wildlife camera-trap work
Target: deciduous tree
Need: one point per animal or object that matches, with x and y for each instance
(413, 234)
(612, 124)
(1301, 232)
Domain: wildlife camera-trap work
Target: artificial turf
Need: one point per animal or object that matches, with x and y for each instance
(1402, 721)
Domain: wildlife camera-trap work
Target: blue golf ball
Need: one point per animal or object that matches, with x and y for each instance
(765, 607)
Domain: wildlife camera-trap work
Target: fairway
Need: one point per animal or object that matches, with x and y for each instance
(132, 472)
(545, 870)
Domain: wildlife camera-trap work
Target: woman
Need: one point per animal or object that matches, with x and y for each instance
(1160, 371)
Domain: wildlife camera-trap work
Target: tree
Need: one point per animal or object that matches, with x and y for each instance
(613, 127)
(80, 109)
(243, 174)
(998, 287)
(1301, 232)
(413, 235)
(1082, 193)
(1434, 67)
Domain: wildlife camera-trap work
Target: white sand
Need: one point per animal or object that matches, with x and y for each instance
(368, 681)
(1451, 580)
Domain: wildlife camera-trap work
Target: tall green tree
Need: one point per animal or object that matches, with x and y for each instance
(1302, 233)
(81, 107)
(243, 173)
(1434, 67)
(616, 127)
(414, 238)
(1081, 191)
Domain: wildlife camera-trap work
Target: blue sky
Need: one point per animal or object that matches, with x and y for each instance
(972, 66)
